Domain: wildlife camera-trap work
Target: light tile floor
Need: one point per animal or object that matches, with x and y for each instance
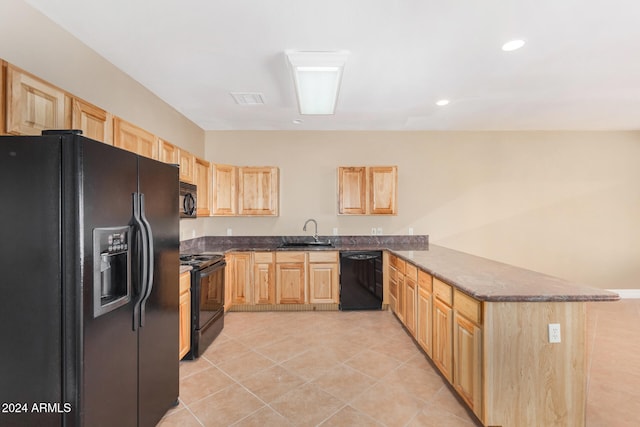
(362, 369)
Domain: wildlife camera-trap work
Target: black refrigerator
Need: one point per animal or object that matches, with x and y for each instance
(89, 256)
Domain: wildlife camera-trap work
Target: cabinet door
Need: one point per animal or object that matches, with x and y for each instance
(225, 178)
(229, 280)
(393, 286)
(3, 72)
(467, 362)
(424, 312)
(258, 191)
(203, 182)
(132, 138)
(185, 314)
(264, 288)
(33, 105)
(241, 283)
(187, 162)
(383, 183)
(352, 191)
(167, 152)
(94, 122)
(290, 283)
(410, 300)
(442, 338)
(323, 283)
(401, 297)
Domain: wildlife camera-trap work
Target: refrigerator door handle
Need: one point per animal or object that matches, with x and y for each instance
(149, 263)
(142, 260)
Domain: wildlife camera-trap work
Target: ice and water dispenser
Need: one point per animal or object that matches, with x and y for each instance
(111, 268)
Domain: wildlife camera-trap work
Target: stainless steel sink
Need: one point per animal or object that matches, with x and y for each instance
(305, 244)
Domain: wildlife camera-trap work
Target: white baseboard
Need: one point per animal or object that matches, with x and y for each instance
(627, 293)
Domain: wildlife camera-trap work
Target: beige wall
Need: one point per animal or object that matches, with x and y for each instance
(563, 203)
(31, 41)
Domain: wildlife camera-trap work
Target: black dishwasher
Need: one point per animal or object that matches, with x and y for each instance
(361, 280)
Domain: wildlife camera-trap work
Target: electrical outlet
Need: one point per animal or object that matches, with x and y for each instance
(379, 231)
(373, 231)
(410, 231)
(335, 231)
(229, 232)
(554, 333)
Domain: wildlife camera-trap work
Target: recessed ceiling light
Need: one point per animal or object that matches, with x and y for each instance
(442, 102)
(512, 45)
(297, 121)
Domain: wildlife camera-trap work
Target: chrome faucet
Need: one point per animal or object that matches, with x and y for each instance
(315, 235)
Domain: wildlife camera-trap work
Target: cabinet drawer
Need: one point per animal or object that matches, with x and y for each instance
(185, 282)
(263, 257)
(467, 306)
(443, 291)
(393, 288)
(290, 256)
(323, 256)
(425, 281)
(411, 271)
(393, 274)
(397, 263)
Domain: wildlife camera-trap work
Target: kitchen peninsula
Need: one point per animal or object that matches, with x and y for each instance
(484, 324)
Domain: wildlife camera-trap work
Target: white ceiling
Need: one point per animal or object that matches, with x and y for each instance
(580, 67)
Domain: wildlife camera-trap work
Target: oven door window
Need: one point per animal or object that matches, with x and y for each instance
(211, 295)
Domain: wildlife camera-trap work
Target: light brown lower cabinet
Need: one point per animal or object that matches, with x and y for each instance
(496, 355)
(240, 279)
(442, 354)
(393, 289)
(410, 297)
(467, 362)
(264, 278)
(324, 286)
(291, 280)
(185, 314)
(424, 312)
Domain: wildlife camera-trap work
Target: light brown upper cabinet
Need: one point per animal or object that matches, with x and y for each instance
(187, 162)
(34, 105)
(258, 190)
(371, 190)
(94, 122)
(132, 138)
(203, 182)
(3, 67)
(225, 179)
(383, 190)
(167, 152)
(353, 190)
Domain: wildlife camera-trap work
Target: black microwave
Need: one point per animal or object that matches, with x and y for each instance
(188, 200)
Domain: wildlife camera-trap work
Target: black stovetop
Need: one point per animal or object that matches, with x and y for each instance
(202, 260)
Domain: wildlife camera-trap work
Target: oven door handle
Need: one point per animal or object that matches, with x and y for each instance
(148, 264)
(142, 255)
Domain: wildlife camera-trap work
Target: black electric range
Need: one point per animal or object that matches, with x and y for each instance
(207, 299)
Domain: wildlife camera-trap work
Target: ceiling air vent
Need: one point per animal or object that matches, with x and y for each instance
(248, 98)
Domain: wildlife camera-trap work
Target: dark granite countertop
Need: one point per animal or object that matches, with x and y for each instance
(488, 280)
(482, 278)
